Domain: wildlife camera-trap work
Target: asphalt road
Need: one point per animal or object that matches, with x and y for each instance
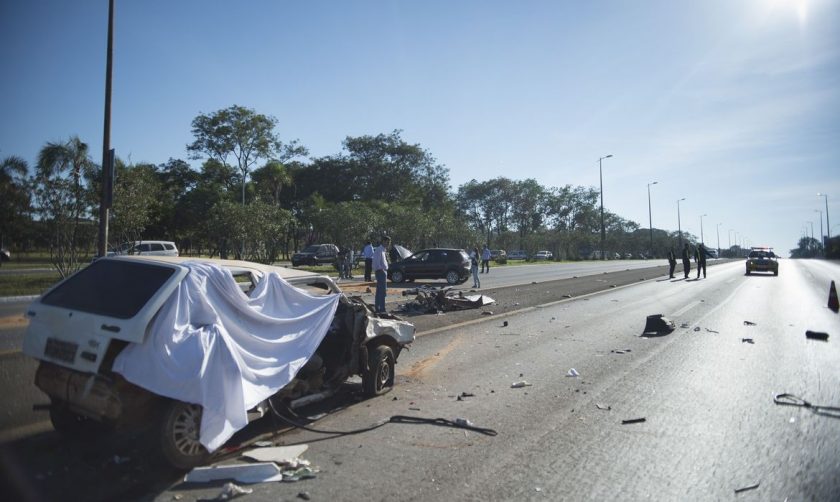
(711, 426)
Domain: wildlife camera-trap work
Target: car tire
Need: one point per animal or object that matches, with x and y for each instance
(776, 272)
(180, 427)
(72, 425)
(452, 277)
(379, 376)
(398, 276)
(748, 271)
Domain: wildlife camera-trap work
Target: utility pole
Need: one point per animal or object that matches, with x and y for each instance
(107, 169)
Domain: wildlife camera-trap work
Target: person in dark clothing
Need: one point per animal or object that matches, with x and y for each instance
(700, 258)
(672, 262)
(686, 259)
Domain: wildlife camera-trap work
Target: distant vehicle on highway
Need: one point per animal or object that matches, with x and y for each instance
(147, 248)
(517, 255)
(450, 264)
(762, 260)
(543, 255)
(315, 254)
(498, 255)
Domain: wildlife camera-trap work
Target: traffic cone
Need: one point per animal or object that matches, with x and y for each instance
(832, 298)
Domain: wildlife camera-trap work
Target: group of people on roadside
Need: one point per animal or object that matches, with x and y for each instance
(700, 254)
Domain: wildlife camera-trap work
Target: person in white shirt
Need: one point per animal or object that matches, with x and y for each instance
(380, 270)
(367, 253)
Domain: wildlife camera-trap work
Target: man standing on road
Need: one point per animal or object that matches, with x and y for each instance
(700, 258)
(380, 269)
(367, 253)
(672, 262)
(485, 259)
(686, 259)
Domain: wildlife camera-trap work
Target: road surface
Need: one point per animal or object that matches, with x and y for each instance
(705, 393)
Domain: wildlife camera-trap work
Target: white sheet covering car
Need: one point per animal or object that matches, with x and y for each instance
(128, 333)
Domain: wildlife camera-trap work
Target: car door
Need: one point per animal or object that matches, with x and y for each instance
(414, 267)
(438, 262)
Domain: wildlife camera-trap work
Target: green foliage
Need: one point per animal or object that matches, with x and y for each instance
(137, 191)
(15, 201)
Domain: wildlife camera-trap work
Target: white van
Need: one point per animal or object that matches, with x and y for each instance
(152, 248)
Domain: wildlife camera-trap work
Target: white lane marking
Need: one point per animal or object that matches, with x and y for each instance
(686, 308)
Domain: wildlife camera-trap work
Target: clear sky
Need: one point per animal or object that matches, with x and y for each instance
(732, 104)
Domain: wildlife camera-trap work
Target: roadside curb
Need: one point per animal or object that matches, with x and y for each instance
(17, 299)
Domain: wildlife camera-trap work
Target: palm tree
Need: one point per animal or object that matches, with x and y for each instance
(271, 178)
(14, 195)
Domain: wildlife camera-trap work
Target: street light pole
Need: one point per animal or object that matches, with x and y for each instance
(702, 240)
(822, 241)
(679, 225)
(102, 244)
(603, 230)
(717, 231)
(650, 218)
(827, 223)
(730, 238)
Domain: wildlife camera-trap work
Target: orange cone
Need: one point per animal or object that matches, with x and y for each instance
(832, 298)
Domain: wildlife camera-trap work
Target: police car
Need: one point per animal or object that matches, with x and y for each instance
(762, 260)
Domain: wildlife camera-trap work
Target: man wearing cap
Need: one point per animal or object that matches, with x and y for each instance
(380, 270)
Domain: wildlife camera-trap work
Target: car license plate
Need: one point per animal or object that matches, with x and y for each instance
(61, 350)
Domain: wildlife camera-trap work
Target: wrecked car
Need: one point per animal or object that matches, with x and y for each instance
(199, 348)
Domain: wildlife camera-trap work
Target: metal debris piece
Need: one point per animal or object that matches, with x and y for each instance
(262, 472)
(603, 407)
(816, 335)
(750, 487)
(299, 473)
(747, 340)
(633, 421)
(433, 300)
(520, 384)
(304, 495)
(572, 373)
(749, 323)
(504, 324)
(697, 328)
(277, 454)
(487, 312)
(712, 331)
(658, 324)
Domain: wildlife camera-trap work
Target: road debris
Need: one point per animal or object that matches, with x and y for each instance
(504, 324)
(304, 496)
(603, 407)
(620, 351)
(746, 488)
(658, 324)
(712, 331)
(833, 303)
(232, 491)
(633, 421)
(697, 328)
(747, 340)
(749, 323)
(520, 384)
(573, 373)
(277, 454)
(432, 300)
(816, 335)
(262, 472)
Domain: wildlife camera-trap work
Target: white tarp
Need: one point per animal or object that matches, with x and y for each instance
(212, 345)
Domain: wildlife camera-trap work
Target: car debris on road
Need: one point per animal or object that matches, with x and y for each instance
(430, 300)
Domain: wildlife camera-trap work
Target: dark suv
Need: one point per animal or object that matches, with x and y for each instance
(450, 264)
(316, 254)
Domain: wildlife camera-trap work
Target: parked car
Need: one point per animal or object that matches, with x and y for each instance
(151, 248)
(316, 254)
(517, 255)
(762, 260)
(498, 255)
(166, 341)
(543, 255)
(450, 264)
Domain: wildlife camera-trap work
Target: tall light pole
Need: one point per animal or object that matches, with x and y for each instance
(679, 226)
(730, 238)
(822, 242)
(717, 230)
(827, 223)
(702, 240)
(603, 230)
(650, 218)
(104, 203)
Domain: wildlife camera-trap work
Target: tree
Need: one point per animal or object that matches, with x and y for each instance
(64, 202)
(270, 181)
(242, 133)
(137, 199)
(14, 198)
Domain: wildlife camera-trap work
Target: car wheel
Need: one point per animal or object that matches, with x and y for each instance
(70, 424)
(379, 377)
(179, 432)
(397, 276)
(452, 277)
(748, 271)
(775, 272)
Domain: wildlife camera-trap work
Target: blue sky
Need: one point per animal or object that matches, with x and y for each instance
(734, 105)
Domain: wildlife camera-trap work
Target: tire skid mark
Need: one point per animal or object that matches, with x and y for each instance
(419, 368)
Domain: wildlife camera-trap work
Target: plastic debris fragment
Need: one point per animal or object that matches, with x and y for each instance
(572, 373)
(520, 384)
(633, 421)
